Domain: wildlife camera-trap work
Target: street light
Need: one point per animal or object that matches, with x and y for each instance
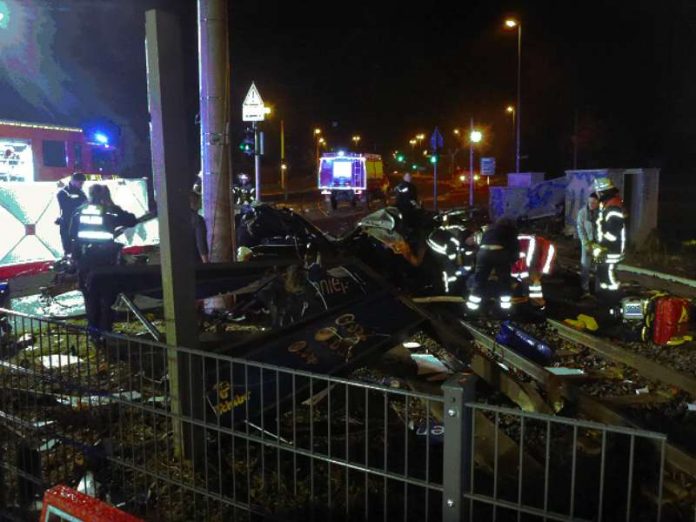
(511, 111)
(511, 23)
(317, 132)
(356, 139)
(475, 136)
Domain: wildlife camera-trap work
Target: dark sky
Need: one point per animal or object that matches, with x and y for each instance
(625, 69)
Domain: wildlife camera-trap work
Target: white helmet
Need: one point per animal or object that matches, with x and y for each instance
(603, 184)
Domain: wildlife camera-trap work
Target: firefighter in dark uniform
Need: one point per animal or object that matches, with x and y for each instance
(93, 230)
(608, 250)
(453, 243)
(407, 198)
(244, 194)
(70, 198)
(499, 249)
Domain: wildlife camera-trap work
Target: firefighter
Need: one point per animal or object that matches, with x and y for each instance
(499, 249)
(93, 230)
(244, 194)
(536, 258)
(454, 246)
(70, 198)
(406, 197)
(608, 250)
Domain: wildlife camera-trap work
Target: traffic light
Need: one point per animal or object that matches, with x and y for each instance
(400, 158)
(433, 159)
(247, 145)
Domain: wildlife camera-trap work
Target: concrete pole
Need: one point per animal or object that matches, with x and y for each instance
(214, 88)
(165, 81)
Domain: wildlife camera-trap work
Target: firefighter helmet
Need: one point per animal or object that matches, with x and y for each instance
(603, 184)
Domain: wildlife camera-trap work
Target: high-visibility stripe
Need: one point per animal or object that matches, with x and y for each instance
(549, 259)
(91, 220)
(530, 249)
(437, 247)
(613, 213)
(610, 236)
(92, 210)
(99, 235)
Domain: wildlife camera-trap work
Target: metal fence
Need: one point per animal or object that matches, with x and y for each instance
(249, 441)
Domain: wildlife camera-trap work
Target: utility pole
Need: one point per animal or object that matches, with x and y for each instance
(214, 86)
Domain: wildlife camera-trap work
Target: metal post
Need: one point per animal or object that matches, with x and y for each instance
(213, 79)
(165, 80)
(471, 165)
(575, 140)
(518, 112)
(435, 182)
(457, 455)
(283, 167)
(257, 161)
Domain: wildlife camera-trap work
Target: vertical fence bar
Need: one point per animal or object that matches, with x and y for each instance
(660, 484)
(629, 493)
(406, 415)
(386, 442)
(457, 455)
(546, 466)
(573, 470)
(520, 467)
(601, 476)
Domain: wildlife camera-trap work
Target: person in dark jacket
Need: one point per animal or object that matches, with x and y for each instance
(406, 196)
(93, 232)
(499, 249)
(199, 228)
(70, 198)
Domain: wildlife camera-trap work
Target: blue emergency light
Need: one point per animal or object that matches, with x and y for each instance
(102, 138)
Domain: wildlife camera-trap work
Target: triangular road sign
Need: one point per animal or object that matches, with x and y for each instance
(253, 108)
(253, 98)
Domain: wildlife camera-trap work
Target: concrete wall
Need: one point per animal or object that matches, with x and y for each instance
(540, 200)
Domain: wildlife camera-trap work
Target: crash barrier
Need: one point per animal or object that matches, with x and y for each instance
(244, 440)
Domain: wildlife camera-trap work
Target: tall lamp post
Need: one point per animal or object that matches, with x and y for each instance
(317, 138)
(511, 111)
(475, 136)
(511, 23)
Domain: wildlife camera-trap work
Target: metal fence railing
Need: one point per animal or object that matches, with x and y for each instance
(245, 440)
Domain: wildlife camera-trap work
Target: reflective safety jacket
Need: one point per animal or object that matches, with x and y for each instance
(244, 195)
(611, 229)
(449, 243)
(537, 256)
(96, 224)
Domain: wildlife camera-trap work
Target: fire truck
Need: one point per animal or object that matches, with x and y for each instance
(41, 152)
(350, 176)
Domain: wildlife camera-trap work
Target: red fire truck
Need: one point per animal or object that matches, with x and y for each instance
(38, 152)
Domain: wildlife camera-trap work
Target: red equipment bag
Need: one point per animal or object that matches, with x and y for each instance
(64, 503)
(671, 318)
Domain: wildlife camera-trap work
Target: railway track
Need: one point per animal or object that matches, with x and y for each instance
(592, 404)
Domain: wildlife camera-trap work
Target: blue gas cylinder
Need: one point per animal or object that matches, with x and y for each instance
(523, 343)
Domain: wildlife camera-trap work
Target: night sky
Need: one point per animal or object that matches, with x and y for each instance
(624, 69)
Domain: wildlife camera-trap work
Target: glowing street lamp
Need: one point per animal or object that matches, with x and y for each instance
(356, 139)
(511, 23)
(475, 136)
(317, 132)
